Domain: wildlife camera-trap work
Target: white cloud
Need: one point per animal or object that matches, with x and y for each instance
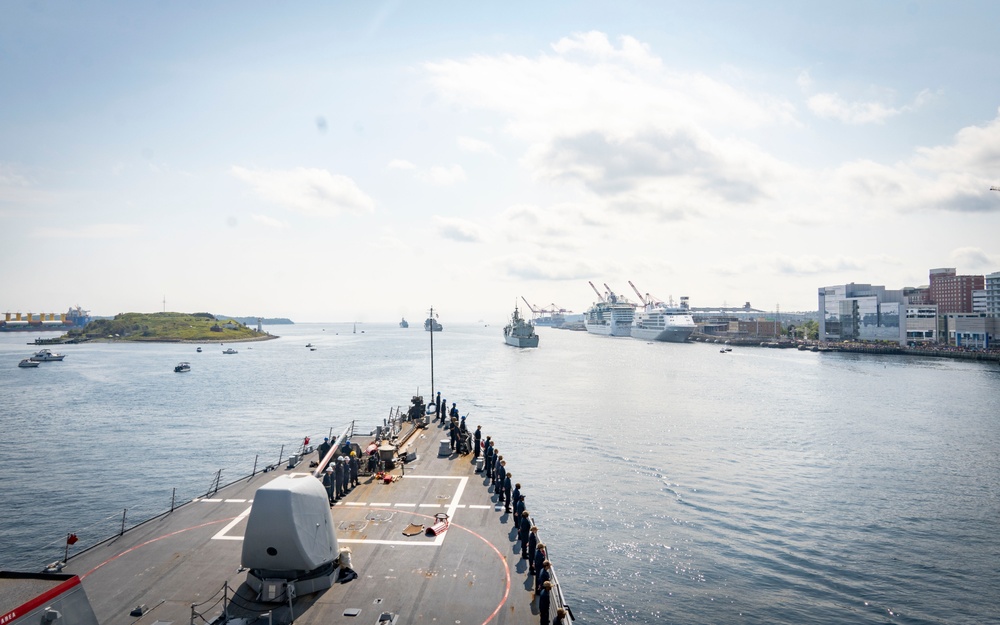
(92, 231)
(476, 146)
(460, 230)
(643, 137)
(973, 258)
(832, 106)
(443, 176)
(399, 163)
(270, 222)
(314, 192)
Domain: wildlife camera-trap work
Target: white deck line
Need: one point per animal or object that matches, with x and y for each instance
(439, 539)
(437, 542)
(221, 535)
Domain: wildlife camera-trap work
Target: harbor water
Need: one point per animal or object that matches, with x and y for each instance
(672, 483)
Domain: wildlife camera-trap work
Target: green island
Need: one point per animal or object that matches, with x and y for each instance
(165, 327)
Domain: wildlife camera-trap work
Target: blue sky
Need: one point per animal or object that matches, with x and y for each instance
(362, 161)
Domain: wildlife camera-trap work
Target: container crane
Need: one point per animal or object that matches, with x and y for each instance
(533, 310)
(639, 295)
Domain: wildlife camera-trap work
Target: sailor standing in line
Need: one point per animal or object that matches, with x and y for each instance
(340, 477)
(506, 493)
(454, 411)
(488, 458)
(517, 499)
(544, 575)
(497, 475)
(328, 483)
(532, 546)
(524, 535)
(437, 406)
(353, 466)
(519, 517)
(544, 601)
(540, 559)
(477, 438)
(443, 410)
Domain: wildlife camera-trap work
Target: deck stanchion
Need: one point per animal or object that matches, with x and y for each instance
(122, 533)
(256, 456)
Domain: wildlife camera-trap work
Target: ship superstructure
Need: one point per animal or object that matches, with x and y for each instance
(612, 315)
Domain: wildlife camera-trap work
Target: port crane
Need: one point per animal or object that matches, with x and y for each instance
(649, 300)
(599, 296)
(551, 309)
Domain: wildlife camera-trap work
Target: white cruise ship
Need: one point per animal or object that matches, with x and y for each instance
(658, 321)
(611, 316)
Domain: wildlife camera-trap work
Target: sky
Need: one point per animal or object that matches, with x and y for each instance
(363, 161)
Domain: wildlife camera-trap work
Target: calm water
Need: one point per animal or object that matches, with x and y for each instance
(672, 483)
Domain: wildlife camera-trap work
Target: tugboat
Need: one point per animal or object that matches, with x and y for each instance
(520, 332)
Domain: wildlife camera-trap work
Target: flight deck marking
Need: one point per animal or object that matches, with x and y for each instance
(222, 533)
(439, 539)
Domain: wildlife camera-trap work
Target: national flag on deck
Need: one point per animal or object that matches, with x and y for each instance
(71, 539)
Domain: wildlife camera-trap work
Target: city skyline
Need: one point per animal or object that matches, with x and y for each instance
(364, 162)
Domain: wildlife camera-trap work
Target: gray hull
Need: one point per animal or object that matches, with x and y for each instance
(668, 335)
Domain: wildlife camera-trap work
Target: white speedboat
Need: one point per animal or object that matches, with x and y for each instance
(28, 363)
(182, 367)
(229, 350)
(45, 355)
(520, 332)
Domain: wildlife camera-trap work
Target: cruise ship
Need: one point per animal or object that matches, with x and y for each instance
(659, 321)
(612, 315)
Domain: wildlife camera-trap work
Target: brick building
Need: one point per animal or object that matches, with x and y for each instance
(953, 293)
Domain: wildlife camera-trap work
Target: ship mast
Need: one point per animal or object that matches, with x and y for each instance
(431, 317)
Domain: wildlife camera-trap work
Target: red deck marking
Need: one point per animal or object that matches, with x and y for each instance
(153, 540)
(506, 569)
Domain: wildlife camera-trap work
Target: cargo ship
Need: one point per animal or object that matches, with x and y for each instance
(45, 322)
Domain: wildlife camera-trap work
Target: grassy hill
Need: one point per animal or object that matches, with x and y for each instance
(166, 326)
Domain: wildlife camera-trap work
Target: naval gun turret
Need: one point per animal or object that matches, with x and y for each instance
(289, 545)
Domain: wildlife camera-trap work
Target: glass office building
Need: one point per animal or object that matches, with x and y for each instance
(862, 312)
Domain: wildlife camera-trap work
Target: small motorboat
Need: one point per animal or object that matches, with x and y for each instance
(229, 350)
(46, 355)
(198, 350)
(28, 363)
(309, 344)
(182, 367)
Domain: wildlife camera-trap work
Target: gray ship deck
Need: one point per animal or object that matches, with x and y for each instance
(471, 573)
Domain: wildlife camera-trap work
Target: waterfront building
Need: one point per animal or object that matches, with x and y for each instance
(979, 301)
(862, 312)
(918, 295)
(974, 331)
(953, 293)
(921, 323)
(992, 282)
